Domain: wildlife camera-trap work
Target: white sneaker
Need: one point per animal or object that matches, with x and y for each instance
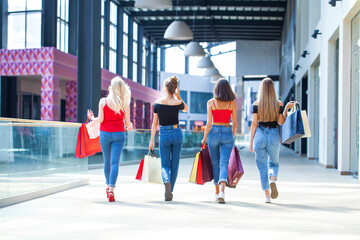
(267, 199)
(221, 198)
(216, 198)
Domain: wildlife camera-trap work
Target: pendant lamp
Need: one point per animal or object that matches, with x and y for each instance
(212, 72)
(205, 62)
(153, 4)
(178, 30)
(194, 49)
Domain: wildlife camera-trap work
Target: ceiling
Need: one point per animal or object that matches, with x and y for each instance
(214, 20)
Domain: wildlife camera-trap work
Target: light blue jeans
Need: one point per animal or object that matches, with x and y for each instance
(267, 149)
(170, 145)
(220, 142)
(112, 144)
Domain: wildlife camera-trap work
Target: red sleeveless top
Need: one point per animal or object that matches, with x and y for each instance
(113, 122)
(221, 115)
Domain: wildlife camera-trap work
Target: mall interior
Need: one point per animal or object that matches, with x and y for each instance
(57, 58)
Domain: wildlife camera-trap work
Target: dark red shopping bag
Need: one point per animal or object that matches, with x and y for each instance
(140, 170)
(206, 164)
(85, 146)
(235, 168)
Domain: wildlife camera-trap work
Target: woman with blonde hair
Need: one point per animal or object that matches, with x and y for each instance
(113, 110)
(268, 114)
(219, 134)
(166, 113)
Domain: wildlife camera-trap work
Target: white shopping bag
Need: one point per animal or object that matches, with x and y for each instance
(152, 169)
(93, 129)
(306, 124)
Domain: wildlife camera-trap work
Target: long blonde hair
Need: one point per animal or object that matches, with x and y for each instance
(120, 94)
(268, 104)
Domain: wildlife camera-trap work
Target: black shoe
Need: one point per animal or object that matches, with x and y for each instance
(168, 193)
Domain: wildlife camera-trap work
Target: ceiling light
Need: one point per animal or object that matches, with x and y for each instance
(194, 49)
(153, 4)
(205, 62)
(178, 30)
(210, 72)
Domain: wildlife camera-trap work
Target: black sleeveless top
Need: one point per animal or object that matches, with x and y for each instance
(168, 114)
(273, 124)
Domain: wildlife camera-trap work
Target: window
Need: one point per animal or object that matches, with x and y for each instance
(113, 37)
(125, 45)
(171, 65)
(198, 102)
(62, 42)
(102, 32)
(24, 24)
(183, 95)
(135, 51)
(144, 67)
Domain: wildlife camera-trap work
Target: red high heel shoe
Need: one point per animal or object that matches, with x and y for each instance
(111, 196)
(107, 193)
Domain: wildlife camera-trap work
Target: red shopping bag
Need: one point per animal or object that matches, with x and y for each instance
(199, 176)
(140, 170)
(85, 146)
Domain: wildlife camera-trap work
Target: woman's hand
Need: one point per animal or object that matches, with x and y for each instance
(203, 141)
(129, 127)
(251, 147)
(151, 146)
(290, 104)
(177, 93)
(90, 114)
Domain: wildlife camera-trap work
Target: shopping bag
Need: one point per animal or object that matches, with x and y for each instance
(235, 168)
(206, 164)
(293, 127)
(194, 169)
(93, 129)
(85, 146)
(305, 124)
(140, 170)
(199, 176)
(79, 151)
(152, 169)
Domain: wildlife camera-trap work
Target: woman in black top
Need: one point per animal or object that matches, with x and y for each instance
(268, 113)
(166, 111)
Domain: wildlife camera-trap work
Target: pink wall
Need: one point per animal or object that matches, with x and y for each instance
(54, 66)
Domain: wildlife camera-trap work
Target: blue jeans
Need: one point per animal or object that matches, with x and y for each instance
(267, 149)
(171, 140)
(220, 142)
(112, 144)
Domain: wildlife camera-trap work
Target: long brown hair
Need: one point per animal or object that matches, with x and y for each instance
(268, 104)
(223, 91)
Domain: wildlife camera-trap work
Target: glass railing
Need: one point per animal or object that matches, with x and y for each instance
(38, 155)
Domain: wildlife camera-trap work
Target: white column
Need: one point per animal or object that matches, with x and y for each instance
(311, 112)
(344, 96)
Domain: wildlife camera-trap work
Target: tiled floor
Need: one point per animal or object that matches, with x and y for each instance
(313, 203)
